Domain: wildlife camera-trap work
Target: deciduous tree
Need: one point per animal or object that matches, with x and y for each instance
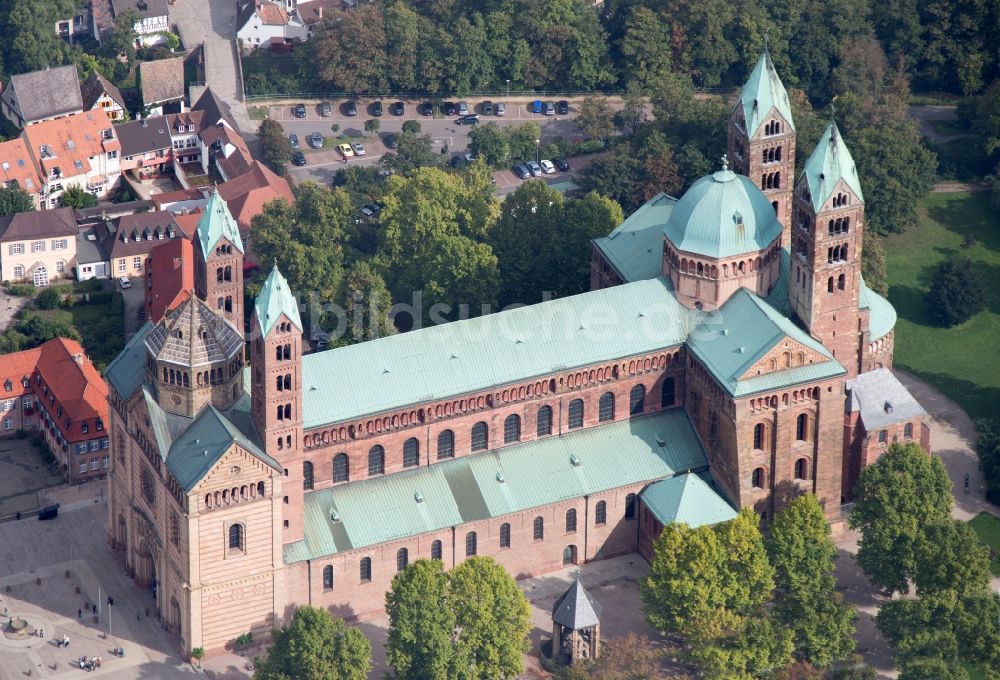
(14, 199)
(420, 644)
(76, 197)
(957, 293)
(595, 119)
(316, 646)
(275, 147)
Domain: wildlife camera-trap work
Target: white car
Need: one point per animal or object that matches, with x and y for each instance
(124, 282)
(359, 148)
(547, 167)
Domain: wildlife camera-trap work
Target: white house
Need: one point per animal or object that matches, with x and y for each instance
(264, 24)
(153, 22)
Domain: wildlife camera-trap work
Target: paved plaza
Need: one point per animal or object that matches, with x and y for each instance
(23, 473)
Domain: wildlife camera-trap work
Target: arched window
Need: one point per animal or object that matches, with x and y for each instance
(758, 436)
(341, 468)
(236, 537)
(470, 544)
(307, 475)
(402, 559)
(328, 577)
(446, 444)
(544, 421)
(511, 428)
(802, 427)
(606, 407)
(366, 569)
(801, 465)
(571, 521)
(601, 513)
(480, 436)
(841, 282)
(908, 431)
(630, 506)
(758, 478)
(829, 285)
(411, 452)
(576, 413)
(436, 550)
(538, 529)
(883, 437)
(376, 460)
(636, 399)
(667, 390)
(505, 535)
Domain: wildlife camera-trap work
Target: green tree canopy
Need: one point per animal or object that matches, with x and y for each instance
(316, 646)
(957, 293)
(14, 199)
(489, 142)
(274, 145)
(421, 623)
(76, 197)
(595, 119)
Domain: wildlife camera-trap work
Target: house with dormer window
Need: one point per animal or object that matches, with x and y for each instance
(129, 240)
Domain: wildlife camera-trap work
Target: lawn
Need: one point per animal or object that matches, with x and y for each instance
(101, 327)
(961, 361)
(988, 528)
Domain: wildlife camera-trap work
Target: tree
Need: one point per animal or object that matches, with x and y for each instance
(897, 495)
(412, 152)
(523, 140)
(372, 125)
(645, 46)
(933, 669)
(316, 646)
(584, 219)
(14, 199)
(49, 298)
(490, 143)
(957, 293)
(632, 657)
(633, 113)
(951, 560)
(873, 262)
(803, 556)
(402, 37)
(658, 170)
(595, 119)
(988, 450)
(986, 121)
(348, 50)
(615, 175)
(275, 147)
(493, 620)
(412, 126)
(421, 623)
(367, 303)
(76, 197)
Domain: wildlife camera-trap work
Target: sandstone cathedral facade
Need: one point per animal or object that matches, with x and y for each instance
(741, 360)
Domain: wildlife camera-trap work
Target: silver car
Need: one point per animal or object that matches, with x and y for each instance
(500, 109)
(534, 168)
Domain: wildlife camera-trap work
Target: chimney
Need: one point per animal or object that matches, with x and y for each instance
(78, 358)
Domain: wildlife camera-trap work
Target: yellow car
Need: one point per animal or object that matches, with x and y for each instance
(345, 150)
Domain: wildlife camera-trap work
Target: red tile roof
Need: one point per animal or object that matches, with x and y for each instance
(169, 277)
(77, 387)
(247, 194)
(167, 197)
(17, 366)
(17, 164)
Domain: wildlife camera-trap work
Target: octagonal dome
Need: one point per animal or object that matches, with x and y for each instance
(721, 215)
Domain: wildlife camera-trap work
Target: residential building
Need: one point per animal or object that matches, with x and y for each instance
(91, 259)
(38, 246)
(34, 97)
(265, 24)
(153, 19)
(17, 168)
(81, 149)
(181, 201)
(161, 84)
(247, 195)
(98, 93)
(209, 136)
(129, 240)
(146, 146)
(540, 436)
(169, 277)
(55, 390)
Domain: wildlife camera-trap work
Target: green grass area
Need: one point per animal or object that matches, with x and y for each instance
(987, 526)
(101, 327)
(961, 361)
(257, 112)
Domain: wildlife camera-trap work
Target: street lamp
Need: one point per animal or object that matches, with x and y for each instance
(508, 91)
(538, 143)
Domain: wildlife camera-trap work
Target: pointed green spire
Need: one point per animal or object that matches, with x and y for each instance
(217, 222)
(762, 92)
(275, 299)
(829, 163)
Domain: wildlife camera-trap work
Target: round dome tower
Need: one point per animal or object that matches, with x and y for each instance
(722, 235)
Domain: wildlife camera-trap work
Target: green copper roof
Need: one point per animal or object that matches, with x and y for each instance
(497, 483)
(275, 298)
(729, 341)
(686, 499)
(488, 351)
(722, 214)
(127, 370)
(762, 92)
(217, 222)
(881, 313)
(635, 247)
(829, 163)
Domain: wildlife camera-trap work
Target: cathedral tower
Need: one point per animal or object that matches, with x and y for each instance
(219, 261)
(276, 390)
(761, 139)
(825, 277)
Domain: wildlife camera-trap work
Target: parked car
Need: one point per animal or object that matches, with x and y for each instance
(299, 111)
(293, 139)
(371, 209)
(124, 282)
(501, 109)
(469, 119)
(457, 162)
(298, 158)
(550, 109)
(376, 109)
(325, 110)
(537, 106)
(562, 107)
(534, 168)
(449, 108)
(345, 150)
(350, 108)
(359, 148)
(316, 140)
(397, 108)
(391, 141)
(427, 109)
(463, 108)
(547, 167)
(521, 171)
(487, 108)
(561, 163)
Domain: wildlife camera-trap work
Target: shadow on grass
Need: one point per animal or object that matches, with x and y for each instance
(969, 216)
(911, 304)
(978, 401)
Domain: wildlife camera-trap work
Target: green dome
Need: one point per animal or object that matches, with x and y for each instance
(721, 215)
